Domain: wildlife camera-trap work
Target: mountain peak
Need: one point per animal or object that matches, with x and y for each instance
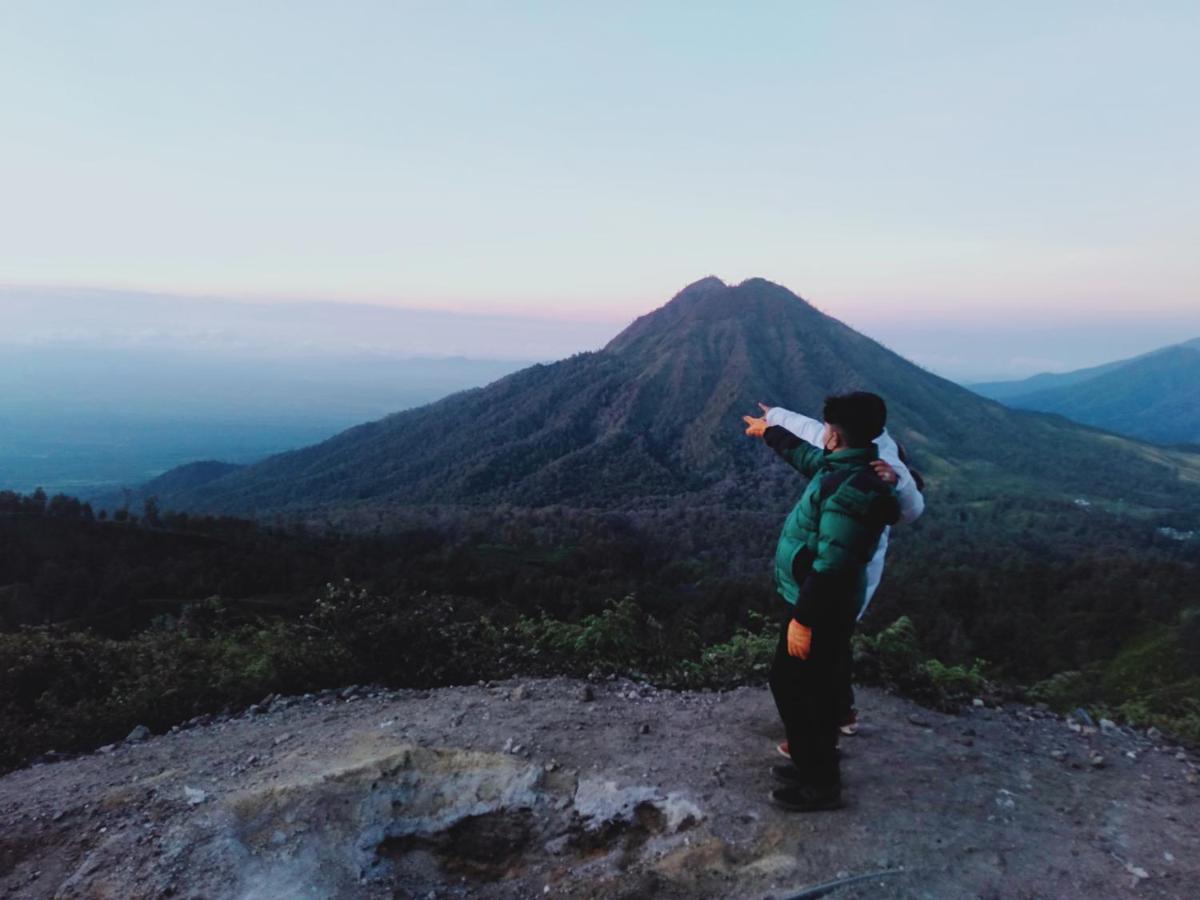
(709, 301)
(748, 290)
(707, 283)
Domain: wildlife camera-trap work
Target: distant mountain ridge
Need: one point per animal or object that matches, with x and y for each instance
(1006, 390)
(170, 484)
(1155, 396)
(656, 414)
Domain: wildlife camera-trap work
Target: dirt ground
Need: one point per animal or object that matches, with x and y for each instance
(564, 788)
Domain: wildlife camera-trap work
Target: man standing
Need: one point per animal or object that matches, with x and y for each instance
(892, 467)
(821, 560)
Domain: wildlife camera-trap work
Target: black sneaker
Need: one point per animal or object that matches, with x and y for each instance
(788, 774)
(807, 798)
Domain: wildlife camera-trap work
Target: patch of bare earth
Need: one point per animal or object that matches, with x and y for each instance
(529, 788)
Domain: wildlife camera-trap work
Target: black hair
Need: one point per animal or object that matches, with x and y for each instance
(859, 416)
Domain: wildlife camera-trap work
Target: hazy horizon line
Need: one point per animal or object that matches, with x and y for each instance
(968, 348)
(299, 299)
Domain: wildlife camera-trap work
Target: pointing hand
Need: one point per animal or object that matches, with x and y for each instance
(755, 427)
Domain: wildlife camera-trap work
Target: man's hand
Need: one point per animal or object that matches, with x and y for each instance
(755, 427)
(799, 640)
(885, 472)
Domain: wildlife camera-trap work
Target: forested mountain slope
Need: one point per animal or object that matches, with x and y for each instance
(1155, 397)
(655, 415)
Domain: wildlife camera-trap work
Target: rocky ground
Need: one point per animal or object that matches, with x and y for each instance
(563, 788)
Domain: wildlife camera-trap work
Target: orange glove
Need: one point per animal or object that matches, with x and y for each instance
(755, 427)
(799, 640)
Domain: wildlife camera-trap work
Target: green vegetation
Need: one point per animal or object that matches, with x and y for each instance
(893, 658)
(72, 691)
(745, 656)
(1154, 680)
(109, 623)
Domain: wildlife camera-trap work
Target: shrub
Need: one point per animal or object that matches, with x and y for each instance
(621, 638)
(1153, 680)
(74, 690)
(892, 658)
(745, 656)
(956, 684)
(1065, 691)
(358, 635)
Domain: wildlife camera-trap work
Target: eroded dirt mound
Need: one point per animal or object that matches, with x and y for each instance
(613, 790)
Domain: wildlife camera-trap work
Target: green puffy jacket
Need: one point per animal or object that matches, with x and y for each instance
(832, 532)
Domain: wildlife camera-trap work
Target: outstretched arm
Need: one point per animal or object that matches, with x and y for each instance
(803, 457)
(811, 431)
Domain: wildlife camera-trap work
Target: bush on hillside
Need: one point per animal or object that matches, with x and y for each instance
(893, 658)
(622, 638)
(744, 657)
(73, 691)
(1153, 680)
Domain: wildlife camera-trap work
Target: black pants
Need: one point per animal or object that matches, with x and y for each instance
(811, 694)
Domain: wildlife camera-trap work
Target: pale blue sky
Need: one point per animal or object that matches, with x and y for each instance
(953, 162)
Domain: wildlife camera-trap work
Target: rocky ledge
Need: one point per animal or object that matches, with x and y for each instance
(609, 789)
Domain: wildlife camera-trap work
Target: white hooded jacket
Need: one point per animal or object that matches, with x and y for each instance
(912, 504)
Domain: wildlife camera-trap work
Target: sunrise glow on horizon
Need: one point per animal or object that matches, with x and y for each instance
(890, 163)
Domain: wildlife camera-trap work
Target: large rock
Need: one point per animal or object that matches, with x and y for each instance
(403, 817)
(139, 734)
(601, 804)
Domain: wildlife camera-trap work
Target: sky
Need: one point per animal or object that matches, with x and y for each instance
(944, 176)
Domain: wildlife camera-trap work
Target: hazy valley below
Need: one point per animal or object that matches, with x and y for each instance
(91, 420)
